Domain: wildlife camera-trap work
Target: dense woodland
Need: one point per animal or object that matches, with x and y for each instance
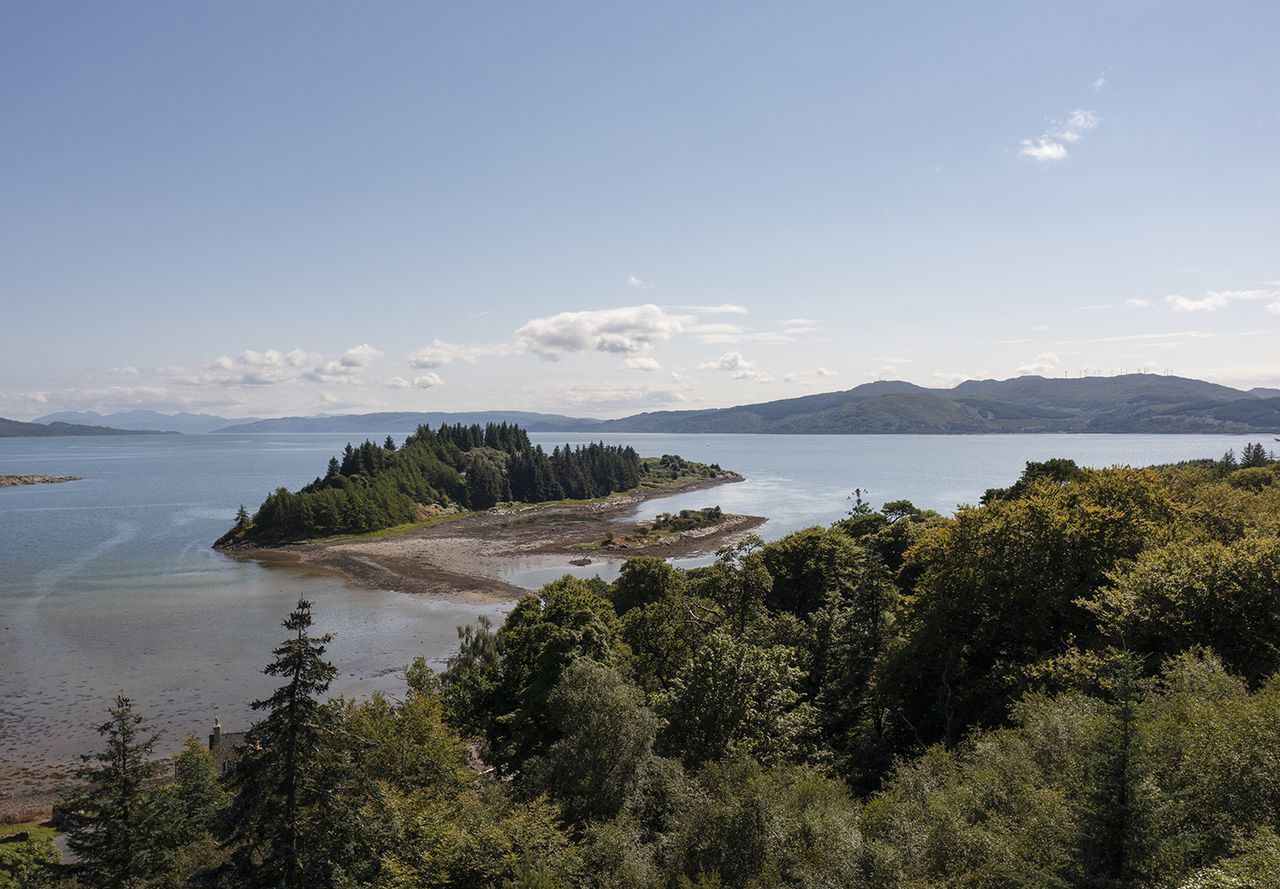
(1073, 684)
(374, 486)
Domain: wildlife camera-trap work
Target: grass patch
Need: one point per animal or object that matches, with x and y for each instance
(38, 829)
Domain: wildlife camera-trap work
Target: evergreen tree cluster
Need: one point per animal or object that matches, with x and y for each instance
(374, 486)
(1075, 684)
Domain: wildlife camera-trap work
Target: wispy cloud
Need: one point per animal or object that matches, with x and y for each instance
(639, 283)
(1219, 299)
(1052, 146)
(1099, 84)
(1138, 303)
(642, 362)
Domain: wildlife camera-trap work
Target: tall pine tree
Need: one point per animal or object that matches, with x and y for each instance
(115, 833)
(279, 777)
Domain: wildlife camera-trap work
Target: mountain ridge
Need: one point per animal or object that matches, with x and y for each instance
(1127, 403)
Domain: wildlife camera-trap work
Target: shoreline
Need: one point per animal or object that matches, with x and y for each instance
(466, 559)
(13, 481)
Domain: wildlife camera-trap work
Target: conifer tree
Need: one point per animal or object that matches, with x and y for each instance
(278, 778)
(242, 517)
(115, 832)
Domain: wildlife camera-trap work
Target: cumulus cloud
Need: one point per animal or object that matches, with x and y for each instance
(639, 284)
(1045, 363)
(1274, 308)
(1219, 299)
(824, 372)
(273, 367)
(628, 330)
(1052, 146)
(359, 356)
(425, 381)
(736, 364)
(1099, 84)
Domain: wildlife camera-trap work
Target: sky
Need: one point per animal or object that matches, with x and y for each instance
(259, 209)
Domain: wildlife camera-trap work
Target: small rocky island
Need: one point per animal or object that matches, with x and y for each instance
(12, 481)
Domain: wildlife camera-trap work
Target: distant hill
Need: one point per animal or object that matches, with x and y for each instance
(18, 429)
(1127, 403)
(145, 420)
(409, 421)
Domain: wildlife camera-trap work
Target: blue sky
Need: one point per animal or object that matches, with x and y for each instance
(597, 209)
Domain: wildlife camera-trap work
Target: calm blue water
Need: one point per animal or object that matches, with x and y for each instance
(109, 584)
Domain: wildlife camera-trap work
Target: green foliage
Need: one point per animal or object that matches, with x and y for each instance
(292, 782)
(542, 635)
(606, 736)
(733, 697)
(115, 828)
(1076, 684)
(27, 864)
(380, 486)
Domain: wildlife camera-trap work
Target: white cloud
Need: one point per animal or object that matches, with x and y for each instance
(1099, 84)
(273, 367)
(626, 331)
(1274, 308)
(722, 309)
(808, 378)
(1052, 146)
(1045, 363)
(440, 353)
(127, 370)
(638, 284)
(642, 362)
(1138, 303)
(359, 356)
(1042, 150)
(1218, 299)
(737, 365)
(425, 381)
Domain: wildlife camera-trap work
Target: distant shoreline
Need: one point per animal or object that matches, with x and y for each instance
(13, 481)
(465, 559)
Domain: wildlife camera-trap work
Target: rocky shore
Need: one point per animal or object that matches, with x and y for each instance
(10, 481)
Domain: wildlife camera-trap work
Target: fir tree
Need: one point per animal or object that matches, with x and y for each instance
(278, 781)
(115, 832)
(242, 518)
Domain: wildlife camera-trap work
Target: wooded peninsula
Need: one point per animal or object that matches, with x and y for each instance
(450, 469)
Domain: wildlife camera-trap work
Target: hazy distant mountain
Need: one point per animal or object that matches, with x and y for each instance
(409, 421)
(1127, 403)
(18, 429)
(145, 419)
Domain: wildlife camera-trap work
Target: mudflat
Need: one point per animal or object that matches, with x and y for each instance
(464, 559)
